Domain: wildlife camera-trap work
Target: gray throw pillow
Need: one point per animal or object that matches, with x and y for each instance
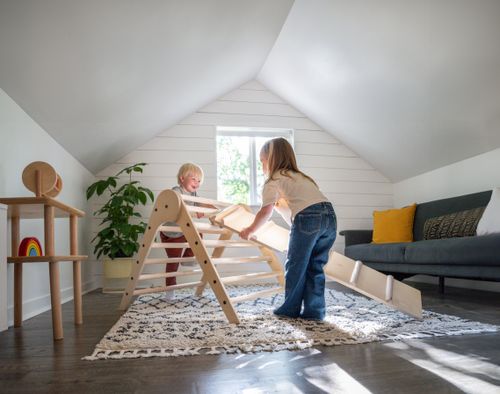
(456, 224)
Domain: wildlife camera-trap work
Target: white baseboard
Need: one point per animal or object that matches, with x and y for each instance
(37, 305)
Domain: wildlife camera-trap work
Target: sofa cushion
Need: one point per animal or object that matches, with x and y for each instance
(477, 250)
(456, 224)
(435, 208)
(393, 225)
(490, 222)
(390, 253)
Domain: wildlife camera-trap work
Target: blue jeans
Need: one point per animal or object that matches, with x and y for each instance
(312, 235)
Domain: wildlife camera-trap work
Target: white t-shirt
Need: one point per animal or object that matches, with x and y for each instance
(291, 194)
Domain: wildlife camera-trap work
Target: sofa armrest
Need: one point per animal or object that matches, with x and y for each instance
(354, 237)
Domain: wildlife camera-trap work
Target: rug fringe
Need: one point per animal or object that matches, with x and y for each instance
(101, 354)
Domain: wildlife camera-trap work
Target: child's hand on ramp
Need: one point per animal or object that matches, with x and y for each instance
(247, 233)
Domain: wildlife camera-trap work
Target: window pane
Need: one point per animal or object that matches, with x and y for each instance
(259, 141)
(239, 171)
(233, 169)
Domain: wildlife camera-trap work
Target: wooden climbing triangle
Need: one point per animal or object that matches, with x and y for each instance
(225, 220)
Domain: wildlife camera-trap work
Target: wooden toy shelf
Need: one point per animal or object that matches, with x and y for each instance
(47, 208)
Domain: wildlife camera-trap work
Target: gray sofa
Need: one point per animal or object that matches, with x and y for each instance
(473, 257)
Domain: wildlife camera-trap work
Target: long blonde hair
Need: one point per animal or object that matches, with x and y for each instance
(281, 158)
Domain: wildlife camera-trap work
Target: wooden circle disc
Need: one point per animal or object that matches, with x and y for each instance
(48, 176)
(56, 189)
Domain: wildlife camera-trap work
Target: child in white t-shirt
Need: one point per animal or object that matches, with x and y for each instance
(189, 178)
(312, 234)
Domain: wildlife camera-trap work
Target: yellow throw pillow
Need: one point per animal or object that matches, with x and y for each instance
(393, 225)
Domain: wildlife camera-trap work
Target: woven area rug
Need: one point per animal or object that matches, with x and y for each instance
(189, 325)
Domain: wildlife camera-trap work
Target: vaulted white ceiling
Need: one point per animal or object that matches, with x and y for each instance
(409, 85)
(103, 77)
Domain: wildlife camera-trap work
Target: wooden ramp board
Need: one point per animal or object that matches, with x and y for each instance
(237, 217)
(374, 284)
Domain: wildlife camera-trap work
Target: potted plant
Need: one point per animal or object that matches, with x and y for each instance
(117, 240)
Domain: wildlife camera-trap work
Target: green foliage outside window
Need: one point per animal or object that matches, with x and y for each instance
(239, 171)
(233, 169)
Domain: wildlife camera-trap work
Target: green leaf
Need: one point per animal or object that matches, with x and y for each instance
(101, 186)
(142, 198)
(91, 189)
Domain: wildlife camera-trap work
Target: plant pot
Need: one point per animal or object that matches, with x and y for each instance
(116, 274)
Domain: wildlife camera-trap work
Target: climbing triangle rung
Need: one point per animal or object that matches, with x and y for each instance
(220, 260)
(203, 200)
(165, 288)
(206, 229)
(159, 275)
(166, 260)
(254, 275)
(204, 210)
(257, 294)
(241, 260)
(208, 244)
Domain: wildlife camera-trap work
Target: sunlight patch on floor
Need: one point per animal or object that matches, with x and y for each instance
(281, 387)
(462, 371)
(245, 364)
(333, 379)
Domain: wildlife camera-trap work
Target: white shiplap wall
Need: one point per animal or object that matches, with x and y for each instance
(353, 186)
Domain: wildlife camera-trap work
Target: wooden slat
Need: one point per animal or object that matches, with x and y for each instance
(45, 259)
(253, 275)
(160, 275)
(206, 228)
(200, 225)
(241, 260)
(165, 288)
(204, 200)
(167, 260)
(208, 244)
(257, 294)
(33, 207)
(203, 210)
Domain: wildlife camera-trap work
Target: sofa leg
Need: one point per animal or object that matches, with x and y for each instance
(441, 285)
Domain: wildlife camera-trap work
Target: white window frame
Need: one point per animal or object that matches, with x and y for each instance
(254, 132)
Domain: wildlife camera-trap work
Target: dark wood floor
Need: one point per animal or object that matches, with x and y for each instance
(30, 362)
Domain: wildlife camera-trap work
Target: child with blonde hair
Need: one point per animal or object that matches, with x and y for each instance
(312, 234)
(189, 179)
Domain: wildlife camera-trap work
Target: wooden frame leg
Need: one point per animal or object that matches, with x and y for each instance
(18, 294)
(55, 286)
(55, 301)
(77, 270)
(217, 252)
(77, 291)
(18, 273)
